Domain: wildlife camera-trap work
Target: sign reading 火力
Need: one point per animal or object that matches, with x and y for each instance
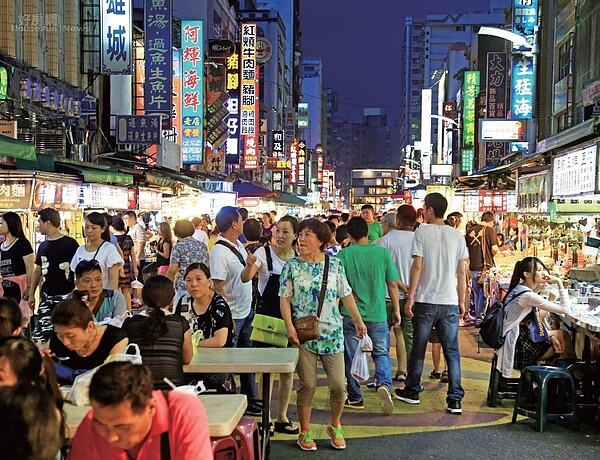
(115, 37)
(158, 86)
(192, 130)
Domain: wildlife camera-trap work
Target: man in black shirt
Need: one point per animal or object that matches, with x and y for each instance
(52, 271)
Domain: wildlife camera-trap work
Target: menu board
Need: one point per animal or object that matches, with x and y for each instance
(492, 201)
(575, 172)
(59, 195)
(533, 193)
(15, 192)
(149, 200)
(104, 196)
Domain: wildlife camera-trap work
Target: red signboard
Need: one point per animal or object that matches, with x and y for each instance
(492, 201)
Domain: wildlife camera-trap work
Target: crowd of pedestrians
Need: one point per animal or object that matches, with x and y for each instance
(409, 275)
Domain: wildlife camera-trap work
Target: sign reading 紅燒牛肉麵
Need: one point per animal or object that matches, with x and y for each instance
(115, 37)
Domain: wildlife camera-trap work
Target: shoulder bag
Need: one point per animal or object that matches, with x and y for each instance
(307, 327)
(485, 270)
(232, 249)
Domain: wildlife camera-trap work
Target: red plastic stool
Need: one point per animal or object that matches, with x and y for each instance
(225, 448)
(247, 435)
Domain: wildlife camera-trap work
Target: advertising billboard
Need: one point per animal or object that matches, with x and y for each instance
(192, 56)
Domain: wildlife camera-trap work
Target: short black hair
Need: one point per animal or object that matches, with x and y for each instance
(252, 230)
(438, 203)
(367, 206)
(225, 218)
(357, 228)
(244, 213)
(131, 214)
(487, 217)
(318, 228)
(50, 214)
(117, 382)
(118, 224)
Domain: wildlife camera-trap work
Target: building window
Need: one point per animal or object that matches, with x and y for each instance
(460, 28)
(565, 54)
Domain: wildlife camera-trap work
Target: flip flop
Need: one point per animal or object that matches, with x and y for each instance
(286, 428)
(400, 377)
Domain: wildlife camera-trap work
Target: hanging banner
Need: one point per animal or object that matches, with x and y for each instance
(471, 89)
(248, 86)
(232, 149)
(158, 86)
(192, 135)
(522, 83)
(115, 37)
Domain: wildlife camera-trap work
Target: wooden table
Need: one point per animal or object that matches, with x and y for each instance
(265, 361)
(223, 412)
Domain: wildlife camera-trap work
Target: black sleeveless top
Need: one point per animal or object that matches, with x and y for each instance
(165, 356)
(160, 260)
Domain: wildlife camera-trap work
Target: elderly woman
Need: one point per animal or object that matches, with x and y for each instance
(522, 307)
(300, 286)
(187, 251)
(79, 343)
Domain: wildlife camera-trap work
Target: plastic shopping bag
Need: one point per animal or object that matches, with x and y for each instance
(360, 362)
(80, 391)
(126, 355)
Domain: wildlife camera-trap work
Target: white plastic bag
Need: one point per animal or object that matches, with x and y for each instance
(80, 390)
(360, 362)
(135, 358)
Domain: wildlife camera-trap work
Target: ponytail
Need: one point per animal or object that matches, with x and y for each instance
(158, 292)
(155, 325)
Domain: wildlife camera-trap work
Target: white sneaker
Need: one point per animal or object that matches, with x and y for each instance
(387, 405)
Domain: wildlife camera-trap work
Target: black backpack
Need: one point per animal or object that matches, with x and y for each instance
(491, 326)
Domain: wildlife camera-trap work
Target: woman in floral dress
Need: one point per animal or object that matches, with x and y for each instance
(300, 286)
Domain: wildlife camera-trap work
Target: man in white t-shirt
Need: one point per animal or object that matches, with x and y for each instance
(227, 260)
(137, 232)
(199, 234)
(439, 260)
(398, 241)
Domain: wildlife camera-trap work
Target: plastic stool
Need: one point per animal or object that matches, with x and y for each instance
(587, 391)
(247, 435)
(530, 405)
(225, 448)
(500, 387)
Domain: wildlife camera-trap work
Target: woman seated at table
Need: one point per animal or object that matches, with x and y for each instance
(103, 303)
(165, 340)
(209, 317)
(77, 341)
(522, 347)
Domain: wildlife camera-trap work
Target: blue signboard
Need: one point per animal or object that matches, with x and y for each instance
(522, 88)
(525, 18)
(158, 86)
(138, 129)
(192, 105)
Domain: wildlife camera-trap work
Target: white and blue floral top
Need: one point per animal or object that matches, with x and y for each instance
(301, 282)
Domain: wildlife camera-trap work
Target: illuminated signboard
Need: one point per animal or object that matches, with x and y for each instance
(104, 196)
(501, 130)
(192, 135)
(278, 144)
(115, 37)
(248, 76)
(232, 85)
(277, 181)
(63, 196)
(3, 83)
(522, 87)
(575, 172)
(158, 87)
(525, 19)
(294, 162)
(301, 161)
(176, 108)
(303, 115)
(15, 193)
(471, 88)
(250, 152)
(466, 161)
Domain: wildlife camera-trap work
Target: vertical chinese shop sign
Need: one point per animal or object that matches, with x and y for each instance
(470, 90)
(248, 96)
(192, 56)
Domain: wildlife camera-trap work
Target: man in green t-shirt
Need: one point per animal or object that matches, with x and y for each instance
(369, 269)
(375, 230)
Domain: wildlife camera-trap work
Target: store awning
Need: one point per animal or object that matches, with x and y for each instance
(96, 173)
(161, 181)
(249, 189)
(15, 148)
(577, 133)
(288, 198)
(42, 162)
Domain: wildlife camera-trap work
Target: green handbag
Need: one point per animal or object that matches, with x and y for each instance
(269, 330)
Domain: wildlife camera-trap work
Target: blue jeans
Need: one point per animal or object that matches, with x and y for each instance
(445, 320)
(243, 331)
(478, 296)
(380, 335)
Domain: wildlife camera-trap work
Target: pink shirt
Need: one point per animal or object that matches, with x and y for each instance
(184, 417)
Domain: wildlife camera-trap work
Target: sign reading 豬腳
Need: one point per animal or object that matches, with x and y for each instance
(248, 87)
(525, 19)
(522, 88)
(115, 37)
(138, 129)
(192, 91)
(232, 86)
(471, 88)
(158, 86)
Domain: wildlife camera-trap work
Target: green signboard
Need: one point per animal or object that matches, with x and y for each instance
(471, 88)
(3, 83)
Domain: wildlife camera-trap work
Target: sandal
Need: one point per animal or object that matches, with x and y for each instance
(435, 375)
(286, 428)
(444, 378)
(271, 430)
(400, 377)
